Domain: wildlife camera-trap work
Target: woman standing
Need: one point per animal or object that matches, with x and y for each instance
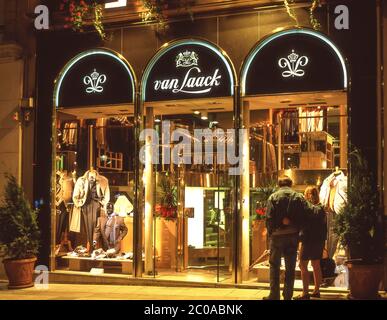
(313, 237)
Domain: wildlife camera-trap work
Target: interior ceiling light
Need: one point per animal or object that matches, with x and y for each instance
(196, 112)
(204, 115)
(157, 120)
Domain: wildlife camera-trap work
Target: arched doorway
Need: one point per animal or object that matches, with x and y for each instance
(93, 164)
(187, 92)
(294, 87)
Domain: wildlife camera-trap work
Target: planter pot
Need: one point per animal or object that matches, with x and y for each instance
(364, 280)
(20, 272)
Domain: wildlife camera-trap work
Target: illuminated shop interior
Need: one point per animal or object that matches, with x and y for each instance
(192, 239)
(298, 126)
(93, 148)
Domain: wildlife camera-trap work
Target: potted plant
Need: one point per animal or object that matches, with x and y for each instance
(359, 228)
(260, 197)
(167, 195)
(19, 235)
(258, 233)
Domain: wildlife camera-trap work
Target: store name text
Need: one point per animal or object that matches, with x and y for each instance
(190, 82)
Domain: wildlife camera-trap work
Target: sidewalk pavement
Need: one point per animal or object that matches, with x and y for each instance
(114, 292)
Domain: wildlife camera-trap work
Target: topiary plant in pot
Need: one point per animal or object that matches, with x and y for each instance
(359, 227)
(19, 235)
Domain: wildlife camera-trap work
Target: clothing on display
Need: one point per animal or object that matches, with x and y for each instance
(62, 221)
(110, 230)
(70, 133)
(311, 119)
(64, 188)
(333, 196)
(333, 193)
(290, 125)
(257, 145)
(79, 251)
(101, 132)
(75, 219)
(82, 188)
(91, 192)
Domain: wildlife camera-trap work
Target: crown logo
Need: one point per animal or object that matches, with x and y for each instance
(94, 75)
(94, 81)
(293, 57)
(187, 59)
(293, 65)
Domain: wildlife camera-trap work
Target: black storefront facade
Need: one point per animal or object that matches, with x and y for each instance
(190, 80)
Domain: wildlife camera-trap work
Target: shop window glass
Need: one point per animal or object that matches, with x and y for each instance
(95, 193)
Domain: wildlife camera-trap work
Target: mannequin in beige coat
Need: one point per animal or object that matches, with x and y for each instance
(91, 192)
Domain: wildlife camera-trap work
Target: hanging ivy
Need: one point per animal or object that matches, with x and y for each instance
(155, 11)
(290, 10)
(313, 20)
(79, 10)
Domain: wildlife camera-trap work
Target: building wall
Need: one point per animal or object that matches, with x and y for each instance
(17, 76)
(11, 79)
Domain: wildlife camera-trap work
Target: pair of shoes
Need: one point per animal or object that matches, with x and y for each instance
(302, 297)
(315, 294)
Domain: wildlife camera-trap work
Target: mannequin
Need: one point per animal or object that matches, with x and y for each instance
(110, 229)
(64, 189)
(91, 192)
(333, 196)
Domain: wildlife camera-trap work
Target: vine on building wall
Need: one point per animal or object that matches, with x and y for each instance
(313, 20)
(290, 10)
(77, 12)
(156, 11)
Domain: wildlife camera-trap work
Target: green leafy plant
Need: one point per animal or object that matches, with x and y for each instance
(259, 199)
(156, 11)
(19, 232)
(288, 4)
(79, 10)
(166, 206)
(358, 225)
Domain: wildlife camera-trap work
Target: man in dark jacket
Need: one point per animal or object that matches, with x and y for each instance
(286, 211)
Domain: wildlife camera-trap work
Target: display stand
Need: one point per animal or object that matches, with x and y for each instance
(86, 264)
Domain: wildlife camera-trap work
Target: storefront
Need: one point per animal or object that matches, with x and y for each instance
(185, 217)
(93, 165)
(294, 103)
(187, 95)
(165, 162)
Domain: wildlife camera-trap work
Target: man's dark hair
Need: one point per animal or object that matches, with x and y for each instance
(285, 181)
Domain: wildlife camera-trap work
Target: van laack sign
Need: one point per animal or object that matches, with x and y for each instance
(187, 72)
(193, 82)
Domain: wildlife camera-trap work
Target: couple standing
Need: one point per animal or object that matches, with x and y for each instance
(289, 216)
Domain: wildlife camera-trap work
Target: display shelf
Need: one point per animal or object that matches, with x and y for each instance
(110, 160)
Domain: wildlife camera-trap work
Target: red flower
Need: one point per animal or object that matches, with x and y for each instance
(261, 212)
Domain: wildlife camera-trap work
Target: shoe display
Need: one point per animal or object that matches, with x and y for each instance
(270, 298)
(315, 295)
(302, 297)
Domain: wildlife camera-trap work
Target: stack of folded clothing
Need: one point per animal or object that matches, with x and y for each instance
(79, 251)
